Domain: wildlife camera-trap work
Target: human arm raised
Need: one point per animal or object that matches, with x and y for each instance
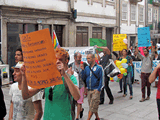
(104, 48)
(27, 93)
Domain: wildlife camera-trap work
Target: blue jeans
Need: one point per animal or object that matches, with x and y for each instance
(127, 80)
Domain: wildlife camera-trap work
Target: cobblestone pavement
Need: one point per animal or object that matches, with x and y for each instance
(122, 109)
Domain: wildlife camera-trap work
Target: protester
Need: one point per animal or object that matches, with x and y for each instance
(127, 78)
(103, 62)
(93, 75)
(76, 67)
(152, 77)
(58, 98)
(135, 55)
(156, 57)
(18, 57)
(23, 109)
(2, 105)
(132, 67)
(147, 63)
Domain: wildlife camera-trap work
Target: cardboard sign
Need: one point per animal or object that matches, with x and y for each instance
(118, 44)
(144, 37)
(98, 42)
(39, 59)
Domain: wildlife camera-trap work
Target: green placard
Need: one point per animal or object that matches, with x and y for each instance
(98, 42)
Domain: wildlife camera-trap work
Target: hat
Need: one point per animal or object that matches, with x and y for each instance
(18, 65)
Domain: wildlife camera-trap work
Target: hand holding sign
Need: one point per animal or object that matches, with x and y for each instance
(39, 59)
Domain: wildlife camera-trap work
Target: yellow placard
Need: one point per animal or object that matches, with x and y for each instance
(39, 59)
(118, 44)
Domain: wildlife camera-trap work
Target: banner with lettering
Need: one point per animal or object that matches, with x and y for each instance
(39, 59)
(83, 50)
(137, 68)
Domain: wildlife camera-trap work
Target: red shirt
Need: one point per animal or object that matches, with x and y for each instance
(158, 85)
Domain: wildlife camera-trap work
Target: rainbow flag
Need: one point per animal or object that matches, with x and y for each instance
(55, 41)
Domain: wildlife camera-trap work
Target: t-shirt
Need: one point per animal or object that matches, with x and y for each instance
(59, 108)
(22, 109)
(104, 60)
(158, 85)
(129, 58)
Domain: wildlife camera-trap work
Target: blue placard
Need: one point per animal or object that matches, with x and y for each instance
(144, 37)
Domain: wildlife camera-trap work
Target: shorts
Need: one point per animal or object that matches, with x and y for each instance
(80, 101)
(93, 100)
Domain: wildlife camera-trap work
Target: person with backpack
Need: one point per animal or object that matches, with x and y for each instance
(93, 77)
(59, 103)
(146, 69)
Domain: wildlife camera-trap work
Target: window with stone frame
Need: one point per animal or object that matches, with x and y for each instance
(149, 14)
(133, 12)
(124, 11)
(141, 14)
(97, 32)
(155, 15)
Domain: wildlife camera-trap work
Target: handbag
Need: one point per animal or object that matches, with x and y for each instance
(111, 69)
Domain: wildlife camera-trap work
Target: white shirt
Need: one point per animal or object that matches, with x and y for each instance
(22, 109)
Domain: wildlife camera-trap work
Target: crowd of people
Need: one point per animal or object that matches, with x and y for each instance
(79, 78)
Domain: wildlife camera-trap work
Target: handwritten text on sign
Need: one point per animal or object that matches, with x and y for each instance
(144, 37)
(118, 44)
(39, 59)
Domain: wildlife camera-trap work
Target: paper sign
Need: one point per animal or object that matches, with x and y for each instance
(144, 37)
(98, 42)
(39, 59)
(118, 44)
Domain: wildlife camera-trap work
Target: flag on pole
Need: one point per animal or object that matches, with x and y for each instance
(55, 41)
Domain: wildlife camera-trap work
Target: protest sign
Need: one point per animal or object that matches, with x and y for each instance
(118, 44)
(39, 59)
(98, 42)
(144, 37)
(137, 68)
(83, 50)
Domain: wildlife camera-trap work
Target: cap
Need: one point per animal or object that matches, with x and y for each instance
(18, 65)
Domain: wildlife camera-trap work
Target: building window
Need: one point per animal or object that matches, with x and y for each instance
(149, 14)
(47, 26)
(13, 40)
(97, 32)
(59, 32)
(82, 36)
(133, 13)
(124, 11)
(155, 15)
(141, 14)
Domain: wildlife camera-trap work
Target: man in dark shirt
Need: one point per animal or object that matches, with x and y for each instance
(2, 105)
(103, 62)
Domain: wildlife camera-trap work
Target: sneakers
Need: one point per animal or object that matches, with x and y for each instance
(147, 98)
(142, 100)
(81, 113)
(111, 102)
(120, 91)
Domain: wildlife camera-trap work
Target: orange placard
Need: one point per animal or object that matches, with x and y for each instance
(39, 59)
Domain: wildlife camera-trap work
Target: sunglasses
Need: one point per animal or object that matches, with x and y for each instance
(50, 96)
